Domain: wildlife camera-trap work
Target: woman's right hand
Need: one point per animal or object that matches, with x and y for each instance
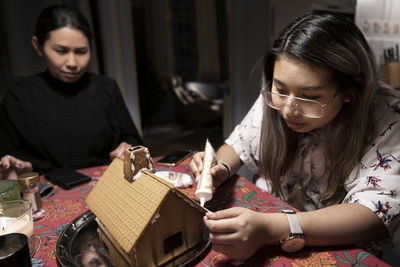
(218, 171)
(11, 167)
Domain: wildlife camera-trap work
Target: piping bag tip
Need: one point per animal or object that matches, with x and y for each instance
(202, 201)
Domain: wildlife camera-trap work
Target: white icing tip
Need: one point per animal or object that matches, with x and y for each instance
(202, 201)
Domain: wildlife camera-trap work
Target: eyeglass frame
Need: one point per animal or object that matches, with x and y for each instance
(263, 91)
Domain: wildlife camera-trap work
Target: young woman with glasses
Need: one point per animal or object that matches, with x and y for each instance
(324, 136)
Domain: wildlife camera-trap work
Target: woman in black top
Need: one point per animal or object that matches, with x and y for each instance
(65, 116)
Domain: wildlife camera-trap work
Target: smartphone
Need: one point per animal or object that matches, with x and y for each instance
(174, 158)
(67, 178)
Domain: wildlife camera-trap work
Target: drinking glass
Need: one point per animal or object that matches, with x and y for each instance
(16, 217)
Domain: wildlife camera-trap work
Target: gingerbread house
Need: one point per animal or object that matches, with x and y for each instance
(143, 219)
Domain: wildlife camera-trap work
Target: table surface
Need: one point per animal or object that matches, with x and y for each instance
(65, 205)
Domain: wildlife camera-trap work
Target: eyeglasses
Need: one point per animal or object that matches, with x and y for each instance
(306, 107)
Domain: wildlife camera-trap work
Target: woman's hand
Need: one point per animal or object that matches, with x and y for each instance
(239, 232)
(11, 167)
(119, 151)
(218, 171)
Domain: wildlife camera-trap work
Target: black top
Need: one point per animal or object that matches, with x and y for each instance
(53, 124)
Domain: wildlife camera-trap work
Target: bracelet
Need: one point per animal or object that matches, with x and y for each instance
(227, 168)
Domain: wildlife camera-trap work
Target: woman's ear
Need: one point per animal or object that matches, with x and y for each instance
(347, 98)
(36, 46)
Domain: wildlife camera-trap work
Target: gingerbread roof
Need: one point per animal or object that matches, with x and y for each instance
(127, 208)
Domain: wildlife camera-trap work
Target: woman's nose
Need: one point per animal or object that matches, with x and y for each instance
(290, 106)
(71, 61)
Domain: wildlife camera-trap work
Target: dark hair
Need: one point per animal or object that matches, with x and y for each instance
(59, 16)
(335, 44)
(328, 41)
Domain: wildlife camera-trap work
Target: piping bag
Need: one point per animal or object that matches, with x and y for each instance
(204, 191)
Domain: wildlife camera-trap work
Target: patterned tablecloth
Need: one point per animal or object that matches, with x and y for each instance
(65, 205)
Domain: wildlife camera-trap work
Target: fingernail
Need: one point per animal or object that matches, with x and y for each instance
(210, 214)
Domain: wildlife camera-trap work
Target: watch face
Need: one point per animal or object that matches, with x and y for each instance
(293, 244)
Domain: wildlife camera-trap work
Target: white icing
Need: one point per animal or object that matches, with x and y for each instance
(149, 160)
(135, 256)
(133, 160)
(205, 183)
(155, 217)
(139, 173)
(179, 179)
(188, 201)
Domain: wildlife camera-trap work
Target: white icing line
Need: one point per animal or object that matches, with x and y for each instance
(139, 173)
(189, 202)
(149, 159)
(155, 217)
(133, 160)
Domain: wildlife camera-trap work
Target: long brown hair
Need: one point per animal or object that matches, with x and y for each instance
(337, 45)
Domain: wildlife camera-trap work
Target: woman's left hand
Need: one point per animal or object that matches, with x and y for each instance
(239, 232)
(119, 151)
(11, 167)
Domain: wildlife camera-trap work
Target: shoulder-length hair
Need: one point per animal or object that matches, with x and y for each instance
(336, 44)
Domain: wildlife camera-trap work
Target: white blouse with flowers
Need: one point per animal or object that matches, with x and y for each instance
(376, 186)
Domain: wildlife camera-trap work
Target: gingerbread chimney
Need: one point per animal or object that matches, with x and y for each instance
(136, 159)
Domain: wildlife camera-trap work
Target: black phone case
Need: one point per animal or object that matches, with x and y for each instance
(174, 158)
(67, 178)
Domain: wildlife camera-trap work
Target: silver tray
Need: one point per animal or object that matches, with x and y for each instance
(79, 244)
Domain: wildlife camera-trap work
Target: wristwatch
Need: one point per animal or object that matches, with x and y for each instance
(295, 241)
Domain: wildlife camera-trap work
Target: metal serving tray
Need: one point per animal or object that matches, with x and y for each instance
(79, 245)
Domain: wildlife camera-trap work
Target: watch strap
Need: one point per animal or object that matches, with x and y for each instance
(294, 223)
(295, 241)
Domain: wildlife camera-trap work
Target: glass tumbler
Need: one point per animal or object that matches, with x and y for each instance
(16, 217)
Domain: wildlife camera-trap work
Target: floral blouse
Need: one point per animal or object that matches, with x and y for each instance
(376, 186)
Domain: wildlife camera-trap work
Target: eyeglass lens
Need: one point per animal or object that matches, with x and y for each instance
(309, 108)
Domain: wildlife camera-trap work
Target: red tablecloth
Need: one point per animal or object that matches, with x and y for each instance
(66, 205)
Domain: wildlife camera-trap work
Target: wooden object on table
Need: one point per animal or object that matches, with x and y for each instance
(390, 74)
(149, 222)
